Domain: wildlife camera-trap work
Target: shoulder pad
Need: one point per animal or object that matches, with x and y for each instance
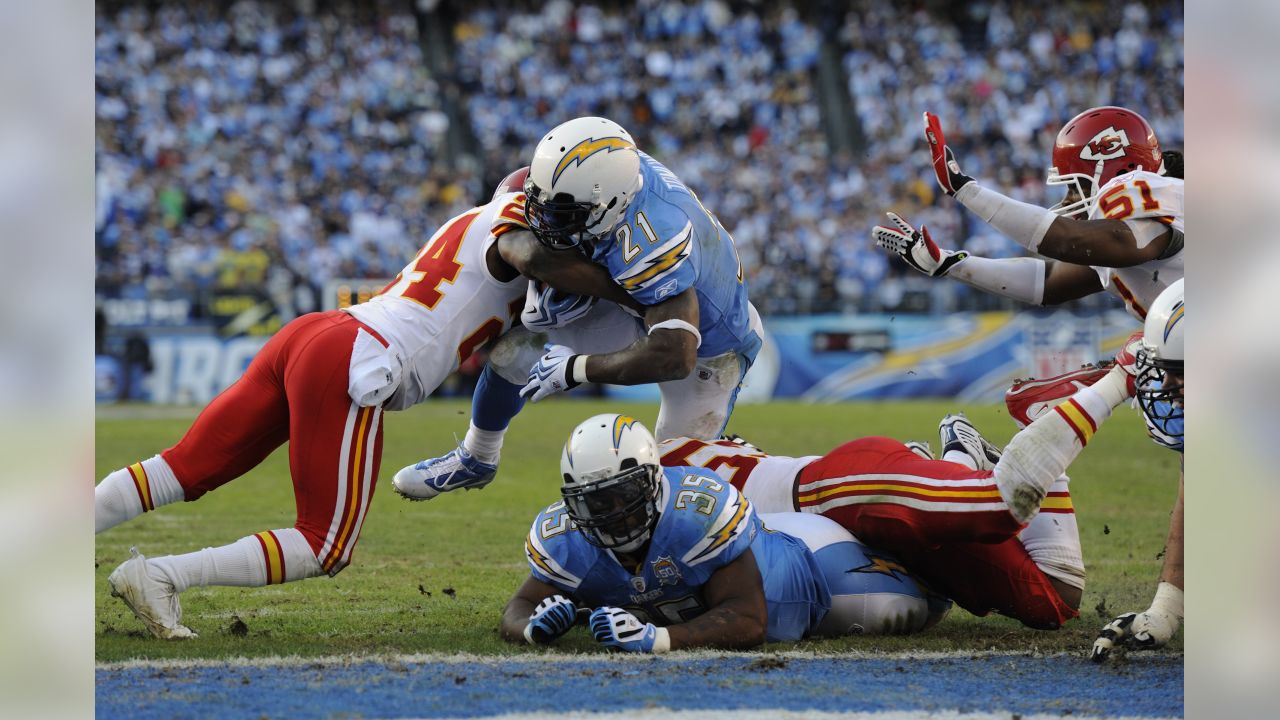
(550, 550)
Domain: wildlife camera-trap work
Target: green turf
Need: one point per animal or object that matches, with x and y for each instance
(434, 576)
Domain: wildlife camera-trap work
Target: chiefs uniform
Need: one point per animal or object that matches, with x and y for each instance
(945, 522)
(1150, 204)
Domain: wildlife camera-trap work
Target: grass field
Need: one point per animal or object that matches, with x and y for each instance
(433, 577)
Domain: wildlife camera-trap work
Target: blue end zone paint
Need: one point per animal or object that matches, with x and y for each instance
(1140, 686)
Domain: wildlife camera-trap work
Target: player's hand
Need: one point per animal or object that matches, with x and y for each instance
(618, 628)
(552, 374)
(1138, 631)
(553, 617)
(546, 308)
(945, 166)
(916, 247)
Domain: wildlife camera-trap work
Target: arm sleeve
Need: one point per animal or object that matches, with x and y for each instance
(1018, 278)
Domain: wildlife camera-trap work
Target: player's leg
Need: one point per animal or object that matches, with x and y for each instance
(497, 400)
(699, 406)
(232, 435)
(871, 593)
(1052, 540)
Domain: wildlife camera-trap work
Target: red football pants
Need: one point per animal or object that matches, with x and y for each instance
(945, 522)
(295, 389)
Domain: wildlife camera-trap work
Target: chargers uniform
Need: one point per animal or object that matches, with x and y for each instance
(704, 525)
(938, 517)
(1149, 203)
(666, 243)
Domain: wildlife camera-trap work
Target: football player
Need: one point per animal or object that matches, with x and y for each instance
(671, 558)
(595, 198)
(1160, 395)
(1119, 228)
(321, 384)
(992, 531)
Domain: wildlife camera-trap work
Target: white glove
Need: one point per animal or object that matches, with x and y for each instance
(1152, 628)
(552, 374)
(553, 617)
(546, 308)
(618, 628)
(916, 247)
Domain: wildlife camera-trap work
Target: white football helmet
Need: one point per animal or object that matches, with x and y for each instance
(1160, 363)
(610, 466)
(584, 175)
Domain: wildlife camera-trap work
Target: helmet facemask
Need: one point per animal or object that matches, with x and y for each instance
(1160, 397)
(1086, 189)
(617, 512)
(562, 223)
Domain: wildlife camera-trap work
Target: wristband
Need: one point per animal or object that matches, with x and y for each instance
(1024, 223)
(662, 640)
(677, 324)
(579, 374)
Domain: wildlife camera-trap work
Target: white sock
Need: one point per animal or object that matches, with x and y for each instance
(1052, 539)
(271, 556)
(484, 445)
(127, 493)
(960, 457)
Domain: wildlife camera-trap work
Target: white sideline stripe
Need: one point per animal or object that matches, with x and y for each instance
(766, 714)
(677, 656)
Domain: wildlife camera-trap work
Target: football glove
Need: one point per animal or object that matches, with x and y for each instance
(617, 628)
(945, 167)
(1151, 628)
(553, 617)
(546, 308)
(916, 247)
(552, 374)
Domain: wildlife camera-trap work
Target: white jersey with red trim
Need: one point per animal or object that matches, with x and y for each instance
(1149, 203)
(441, 307)
(768, 481)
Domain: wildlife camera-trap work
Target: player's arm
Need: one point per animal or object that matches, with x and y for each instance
(737, 616)
(1103, 242)
(1029, 280)
(537, 613)
(668, 352)
(564, 270)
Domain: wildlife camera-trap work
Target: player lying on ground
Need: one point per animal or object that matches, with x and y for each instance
(1160, 395)
(991, 531)
(594, 198)
(321, 384)
(1120, 227)
(671, 558)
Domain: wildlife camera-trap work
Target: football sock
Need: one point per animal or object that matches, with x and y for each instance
(269, 557)
(484, 445)
(1052, 538)
(961, 457)
(129, 492)
(493, 404)
(1036, 456)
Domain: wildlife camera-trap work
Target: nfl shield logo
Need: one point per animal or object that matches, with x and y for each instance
(638, 583)
(664, 568)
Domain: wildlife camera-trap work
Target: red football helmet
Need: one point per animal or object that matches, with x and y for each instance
(512, 183)
(1098, 145)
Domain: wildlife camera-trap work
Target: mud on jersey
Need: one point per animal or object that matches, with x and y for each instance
(445, 304)
(1140, 199)
(705, 524)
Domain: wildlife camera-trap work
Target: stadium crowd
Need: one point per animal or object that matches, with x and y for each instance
(261, 146)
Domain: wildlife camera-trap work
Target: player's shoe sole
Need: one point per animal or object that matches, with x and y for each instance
(921, 448)
(1028, 399)
(150, 600)
(957, 433)
(456, 470)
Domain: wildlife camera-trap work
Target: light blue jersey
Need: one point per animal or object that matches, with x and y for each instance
(705, 524)
(667, 243)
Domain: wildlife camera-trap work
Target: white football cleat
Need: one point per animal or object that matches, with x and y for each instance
(921, 448)
(957, 433)
(153, 601)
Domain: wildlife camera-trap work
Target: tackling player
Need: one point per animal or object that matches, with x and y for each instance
(991, 531)
(1160, 395)
(671, 558)
(321, 384)
(595, 199)
(1119, 228)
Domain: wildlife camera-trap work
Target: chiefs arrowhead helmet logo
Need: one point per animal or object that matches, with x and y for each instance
(1106, 145)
